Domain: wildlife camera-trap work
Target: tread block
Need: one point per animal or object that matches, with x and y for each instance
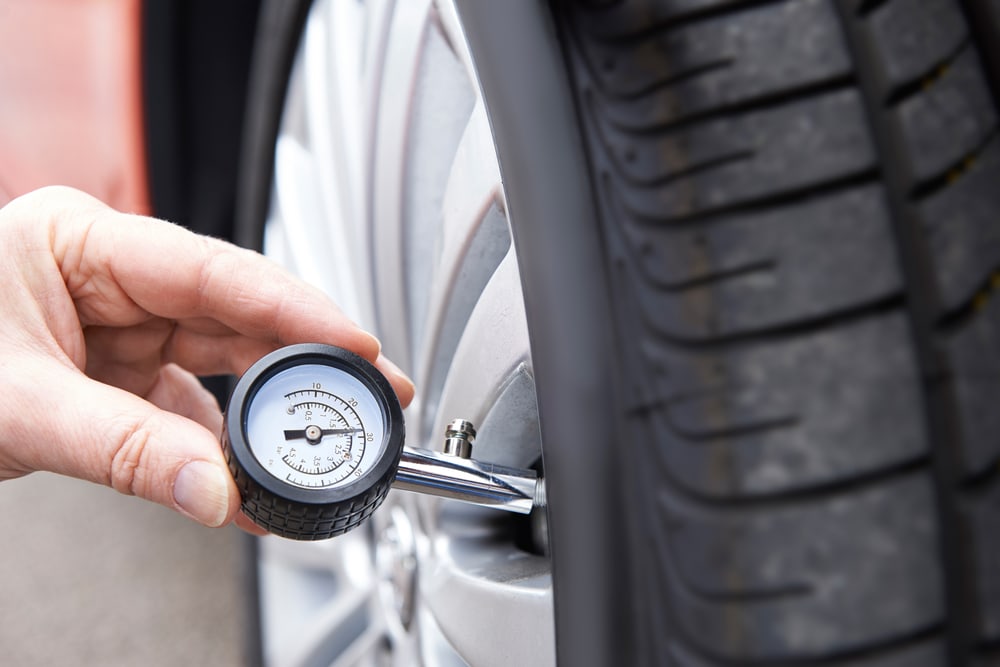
(963, 232)
(949, 120)
(672, 75)
(743, 160)
(796, 582)
(912, 37)
(788, 414)
(767, 269)
(973, 354)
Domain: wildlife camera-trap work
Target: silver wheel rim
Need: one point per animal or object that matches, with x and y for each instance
(433, 272)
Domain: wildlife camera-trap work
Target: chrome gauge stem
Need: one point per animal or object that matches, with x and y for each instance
(448, 476)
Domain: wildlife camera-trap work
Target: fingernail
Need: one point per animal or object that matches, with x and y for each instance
(394, 369)
(202, 490)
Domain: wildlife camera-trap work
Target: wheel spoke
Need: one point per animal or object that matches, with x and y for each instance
(296, 196)
(443, 102)
(475, 239)
(388, 234)
(452, 28)
(331, 53)
(509, 434)
(493, 347)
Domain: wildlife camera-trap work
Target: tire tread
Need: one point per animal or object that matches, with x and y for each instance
(781, 370)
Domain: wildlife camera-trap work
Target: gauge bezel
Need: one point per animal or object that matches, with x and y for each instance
(315, 353)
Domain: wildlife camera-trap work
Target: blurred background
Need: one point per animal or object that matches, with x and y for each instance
(139, 103)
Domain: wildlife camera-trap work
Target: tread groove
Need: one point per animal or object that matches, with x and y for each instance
(755, 103)
(866, 7)
(665, 179)
(952, 172)
(763, 426)
(759, 595)
(921, 300)
(679, 21)
(758, 204)
(793, 329)
(980, 483)
(753, 503)
(691, 170)
(659, 85)
(962, 315)
(718, 277)
(925, 80)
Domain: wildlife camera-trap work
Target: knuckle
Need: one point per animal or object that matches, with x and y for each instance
(127, 461)
(45, 202)
(216, 272)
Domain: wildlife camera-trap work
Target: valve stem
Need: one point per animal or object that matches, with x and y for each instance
(458, 437)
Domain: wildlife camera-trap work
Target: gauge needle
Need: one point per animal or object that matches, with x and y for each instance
(301, 433)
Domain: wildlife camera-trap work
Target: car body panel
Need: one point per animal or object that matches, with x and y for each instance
(71, 109)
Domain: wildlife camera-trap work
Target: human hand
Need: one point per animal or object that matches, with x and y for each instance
(108, 317)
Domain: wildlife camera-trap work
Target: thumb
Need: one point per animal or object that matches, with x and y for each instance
(73, 425)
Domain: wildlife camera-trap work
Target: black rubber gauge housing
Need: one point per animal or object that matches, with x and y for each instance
(304, 505)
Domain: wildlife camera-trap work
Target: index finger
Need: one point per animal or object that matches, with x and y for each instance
(118, 265)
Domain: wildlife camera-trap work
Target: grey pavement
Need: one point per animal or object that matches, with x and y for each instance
(91, 577)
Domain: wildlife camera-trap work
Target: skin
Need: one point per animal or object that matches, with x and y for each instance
(109, 317)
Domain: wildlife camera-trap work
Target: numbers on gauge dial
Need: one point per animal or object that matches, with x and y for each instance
(330, 435)
(315, 426)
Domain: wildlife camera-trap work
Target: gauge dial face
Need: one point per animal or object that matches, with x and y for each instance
(315, 426)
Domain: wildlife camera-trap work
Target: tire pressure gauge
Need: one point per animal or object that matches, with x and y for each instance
(313, 436)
